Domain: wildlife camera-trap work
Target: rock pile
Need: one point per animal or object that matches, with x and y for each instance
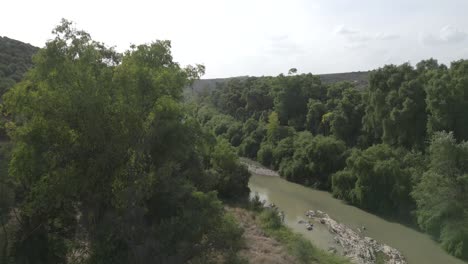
(360, 249)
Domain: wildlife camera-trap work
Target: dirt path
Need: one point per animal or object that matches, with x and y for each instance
(260, 248)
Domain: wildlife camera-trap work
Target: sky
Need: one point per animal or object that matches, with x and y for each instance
(260, 37)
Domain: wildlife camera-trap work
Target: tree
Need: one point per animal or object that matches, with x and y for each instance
(15, 60)
(265, 154)
(296, 167)
(292, 71)
(283, 150)
(326, 155)
(233, 176)
(291, 95)
(346, 123)
(446, 100)
(103, 136)
(383, 181)
(273, 127)
(441, 197)
(396, 109)
(315, 111)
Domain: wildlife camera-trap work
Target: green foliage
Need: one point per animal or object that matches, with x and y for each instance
(265, 154)
(327, 155)
(396, 109)
(233, 176)
(284, 149)
(381, 132)
(292, 94)
(273, 127)
(297, 167)
(441, 194)
(296, 244)
(447, 101)
(234, 134)
(382, 184)
(343, 183)
(103, 136)
(255, 203)
(270, 219)
(7, 199)
(314, 160)
(243, 98)
(254, 133)
(346, 120)
(315, 111)
(15, 60)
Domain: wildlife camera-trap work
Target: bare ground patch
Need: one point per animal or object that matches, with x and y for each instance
(260, 248)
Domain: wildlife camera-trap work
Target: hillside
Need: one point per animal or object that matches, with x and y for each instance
(15, 60)
(360, 78)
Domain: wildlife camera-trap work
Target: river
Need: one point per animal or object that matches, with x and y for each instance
(295, 200)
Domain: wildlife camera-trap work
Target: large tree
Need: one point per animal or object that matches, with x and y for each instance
(441, 194)
(396, 109)
(447, 99)
(109, 166)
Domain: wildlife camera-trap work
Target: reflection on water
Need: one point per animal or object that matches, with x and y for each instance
(295, 200)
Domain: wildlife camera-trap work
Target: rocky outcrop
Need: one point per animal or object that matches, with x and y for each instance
(360, 249)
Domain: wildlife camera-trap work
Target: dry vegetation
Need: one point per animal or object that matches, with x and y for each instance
(260, 248)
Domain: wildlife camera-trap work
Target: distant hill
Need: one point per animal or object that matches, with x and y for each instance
(361, 80)
(15, 60)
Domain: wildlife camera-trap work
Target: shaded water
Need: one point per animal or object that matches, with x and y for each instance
(295, 200)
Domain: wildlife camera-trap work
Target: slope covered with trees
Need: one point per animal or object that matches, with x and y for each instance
(396, 148)
(15, 60)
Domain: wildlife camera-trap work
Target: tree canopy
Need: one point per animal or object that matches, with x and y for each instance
(108, 164)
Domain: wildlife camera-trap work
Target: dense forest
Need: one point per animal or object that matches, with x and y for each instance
(107, 165)
(397, 148)
(104, 158)
(15, 60)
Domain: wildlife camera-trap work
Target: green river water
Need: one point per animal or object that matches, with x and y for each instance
(295, 200)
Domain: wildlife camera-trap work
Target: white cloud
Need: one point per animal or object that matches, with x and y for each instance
(355, 46)
(452, 34)
(446, 35)
(284, 45)
(353, 35)
(385, 36)
(343, 30)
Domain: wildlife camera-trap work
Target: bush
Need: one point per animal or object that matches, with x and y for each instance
(271, 219)
(383, 181)
(255, 203)
(440, 194)
(284, 149)
(249, 147)
(343, 183)
(265, 154)
(327, 155)
(233, 177)
(234, 134)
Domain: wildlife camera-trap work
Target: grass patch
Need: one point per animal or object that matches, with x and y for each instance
(296, 244)
(381, 258)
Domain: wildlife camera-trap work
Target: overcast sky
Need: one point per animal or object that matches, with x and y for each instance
(256, 37)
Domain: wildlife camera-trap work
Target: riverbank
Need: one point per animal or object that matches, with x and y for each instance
(257, 168)
(268, 240)
(359, 248)
(295, 200)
